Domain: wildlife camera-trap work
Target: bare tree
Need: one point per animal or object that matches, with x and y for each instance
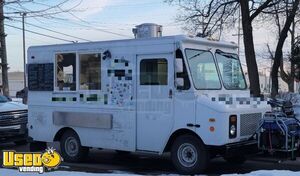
(291, 8)
(289, 77)
(207, 17)
(296, 57)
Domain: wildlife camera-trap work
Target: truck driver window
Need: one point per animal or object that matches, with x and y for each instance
(90, 71)
(184, 75)
(231, 70)
(154, 72)
(203, 69)
(66, 72)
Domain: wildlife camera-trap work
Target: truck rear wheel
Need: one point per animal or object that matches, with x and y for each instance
(71, 149)
(189, 155)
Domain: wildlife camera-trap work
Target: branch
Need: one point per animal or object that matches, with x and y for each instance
(284, 76)
(260, 9)
(270, 52)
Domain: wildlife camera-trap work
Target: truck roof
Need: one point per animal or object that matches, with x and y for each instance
(146, 41)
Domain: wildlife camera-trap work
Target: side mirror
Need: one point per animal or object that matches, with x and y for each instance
(179, 65)
(179, 82)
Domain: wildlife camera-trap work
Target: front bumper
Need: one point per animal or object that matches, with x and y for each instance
(233, 149)
(13, 133)
(244, 148)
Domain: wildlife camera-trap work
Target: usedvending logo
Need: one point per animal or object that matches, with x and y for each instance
(31, 162)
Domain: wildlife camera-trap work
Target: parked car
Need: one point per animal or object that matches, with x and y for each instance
(13, 121)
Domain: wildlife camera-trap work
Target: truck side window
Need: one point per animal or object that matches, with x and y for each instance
(154, 72)
(66, 71)
(90, 71)
(184, 74)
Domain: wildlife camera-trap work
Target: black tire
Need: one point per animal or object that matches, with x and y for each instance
(71, 149)
(238, 159)
(22, 142)
(37, 146)
(189, 147)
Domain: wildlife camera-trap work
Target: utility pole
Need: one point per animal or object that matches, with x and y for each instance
(3, 55)
(24, 49)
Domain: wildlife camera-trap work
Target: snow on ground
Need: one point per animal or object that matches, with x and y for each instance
(14, 172)
(268, 173)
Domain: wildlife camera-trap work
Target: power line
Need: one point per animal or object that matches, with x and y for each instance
(92, 26)
(131, 5)
(51, 15)
(63, 19)
(37, 33)
(55, 31)
(41, 13)
(43, 10)
(89, 26)
(84, 21)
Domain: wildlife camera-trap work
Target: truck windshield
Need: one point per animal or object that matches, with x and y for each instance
(3, 99)
(203, 69)
(231, 71)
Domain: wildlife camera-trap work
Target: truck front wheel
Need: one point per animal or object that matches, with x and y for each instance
(189, 155)
(71, 149)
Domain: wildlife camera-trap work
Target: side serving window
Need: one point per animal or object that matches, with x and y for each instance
(65, 71)
(90, 71)
(154, 72)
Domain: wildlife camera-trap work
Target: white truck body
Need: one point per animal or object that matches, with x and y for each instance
(126, 114)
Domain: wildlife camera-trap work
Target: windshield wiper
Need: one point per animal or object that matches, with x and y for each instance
(227, 55)
(198, 54)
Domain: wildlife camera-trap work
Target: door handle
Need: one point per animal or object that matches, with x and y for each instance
(170, 93)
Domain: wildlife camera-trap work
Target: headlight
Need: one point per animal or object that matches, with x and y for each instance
(277, 109)
(232, 130)
(232, 126)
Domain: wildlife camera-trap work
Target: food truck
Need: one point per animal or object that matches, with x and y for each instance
(152, 94)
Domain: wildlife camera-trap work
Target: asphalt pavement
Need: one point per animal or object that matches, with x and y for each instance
(106, 161)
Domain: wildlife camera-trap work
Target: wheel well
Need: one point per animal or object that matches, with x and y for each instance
(59, 134)
(177, 134)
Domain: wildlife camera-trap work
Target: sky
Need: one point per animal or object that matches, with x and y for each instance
(97, 20)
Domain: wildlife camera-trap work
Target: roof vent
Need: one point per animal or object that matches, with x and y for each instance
(147, 30)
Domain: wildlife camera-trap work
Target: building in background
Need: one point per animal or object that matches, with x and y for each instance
(266, 82)
(16, 82)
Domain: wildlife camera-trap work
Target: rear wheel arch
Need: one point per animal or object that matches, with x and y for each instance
(60, 133)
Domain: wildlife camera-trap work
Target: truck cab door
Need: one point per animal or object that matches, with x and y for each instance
(155, 86)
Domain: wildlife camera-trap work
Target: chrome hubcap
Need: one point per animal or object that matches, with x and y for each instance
(187, 155)
(71, 146)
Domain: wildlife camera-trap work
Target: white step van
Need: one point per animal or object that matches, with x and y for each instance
(177, 94)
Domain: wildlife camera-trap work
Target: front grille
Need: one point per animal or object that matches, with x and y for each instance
(249, 123)
(10, 118)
